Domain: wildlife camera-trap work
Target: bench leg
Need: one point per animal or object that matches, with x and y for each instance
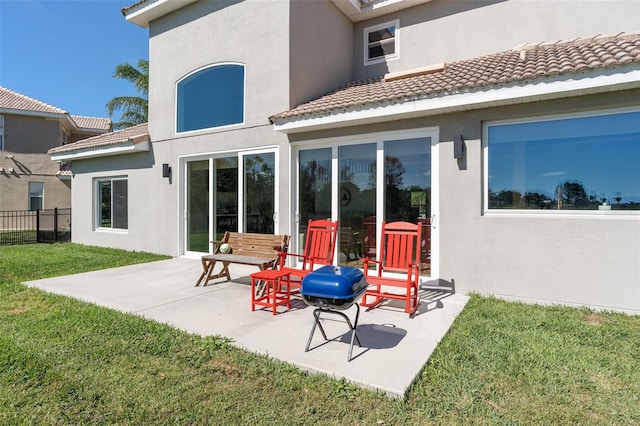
(207, 269)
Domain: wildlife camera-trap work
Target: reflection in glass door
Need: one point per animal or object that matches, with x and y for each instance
(259, 192)
(314, 189)
(197, 204)
(407, 189)
(225, 197)
(357, 203)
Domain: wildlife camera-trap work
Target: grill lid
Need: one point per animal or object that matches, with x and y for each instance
(334, 282)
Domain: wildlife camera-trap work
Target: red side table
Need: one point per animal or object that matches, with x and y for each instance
(266, 289)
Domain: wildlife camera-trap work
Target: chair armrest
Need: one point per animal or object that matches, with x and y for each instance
(284, 255)
(365, 264)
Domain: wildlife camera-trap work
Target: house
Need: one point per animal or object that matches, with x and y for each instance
(510, 130)
(29, 180)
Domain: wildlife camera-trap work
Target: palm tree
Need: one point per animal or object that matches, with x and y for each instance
(135, 109)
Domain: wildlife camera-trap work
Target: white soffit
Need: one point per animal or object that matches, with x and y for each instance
(471, 100)
(102, 151)
(149, 10)
(356, 11)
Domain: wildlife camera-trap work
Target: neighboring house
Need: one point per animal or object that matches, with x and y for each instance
(500, 126)
(29, 180)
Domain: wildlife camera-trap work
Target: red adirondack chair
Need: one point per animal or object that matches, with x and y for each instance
(319, 248)
(400, 243)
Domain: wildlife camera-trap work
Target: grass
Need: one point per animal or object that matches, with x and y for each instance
(63, 361)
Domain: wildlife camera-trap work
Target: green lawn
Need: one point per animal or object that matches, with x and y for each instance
(67, 362)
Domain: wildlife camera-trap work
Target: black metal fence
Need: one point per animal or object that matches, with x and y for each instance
(35, 226)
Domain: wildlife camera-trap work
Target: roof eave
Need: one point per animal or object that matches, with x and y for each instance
(470, 100)
(126, 147)
(143, 13)
(358, 11)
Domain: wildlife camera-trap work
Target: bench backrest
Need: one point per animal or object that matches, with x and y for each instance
(260, 245)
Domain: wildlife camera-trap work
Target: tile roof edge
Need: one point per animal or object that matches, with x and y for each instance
(288, 116)
(82, 144)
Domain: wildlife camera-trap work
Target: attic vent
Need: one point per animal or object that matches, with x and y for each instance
(431, 69)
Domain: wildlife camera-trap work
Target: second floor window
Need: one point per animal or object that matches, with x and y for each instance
(381, 42)
(211, 97)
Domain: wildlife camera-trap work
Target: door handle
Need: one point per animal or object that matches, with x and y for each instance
(433, 221)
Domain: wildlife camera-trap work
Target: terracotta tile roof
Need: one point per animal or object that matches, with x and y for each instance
(127, 8)
(19, 102)
(97, 123)
(13, 100)
(134, 134)
(65, 170)
(518, 66)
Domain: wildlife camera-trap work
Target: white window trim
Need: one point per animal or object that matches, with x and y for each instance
(96, 201)
(396, 40)
(215, 128)
(608, 214)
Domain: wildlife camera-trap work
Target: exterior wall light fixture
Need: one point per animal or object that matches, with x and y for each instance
(166, 170)
(458, 147)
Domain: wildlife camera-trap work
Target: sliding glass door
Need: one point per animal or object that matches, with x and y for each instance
(209, 213)
(388, 179)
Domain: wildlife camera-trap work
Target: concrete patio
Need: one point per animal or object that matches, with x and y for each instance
(394, 347)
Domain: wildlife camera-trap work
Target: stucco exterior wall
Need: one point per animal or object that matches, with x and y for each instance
(14, 186)
(321, 56)
(580, 259)
(151, 213)
(450, 30)
(196, 36)
(207, 33)
(30, 134)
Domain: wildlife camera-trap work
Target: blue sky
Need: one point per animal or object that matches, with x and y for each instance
(64, 52)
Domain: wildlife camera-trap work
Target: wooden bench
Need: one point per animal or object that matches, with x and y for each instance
(260, 250)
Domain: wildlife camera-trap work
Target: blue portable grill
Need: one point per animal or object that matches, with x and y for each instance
(332, 289)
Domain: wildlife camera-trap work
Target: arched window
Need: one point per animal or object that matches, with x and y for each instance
(211, 97)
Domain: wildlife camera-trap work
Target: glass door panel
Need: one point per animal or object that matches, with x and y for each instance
(225, 198)
(314, 190)
(259, 192)
(357, 203)
(198, 206)
(407, 188)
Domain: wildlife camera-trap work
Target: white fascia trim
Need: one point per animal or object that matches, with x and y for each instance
(467, 101)
(93, 152)
(146, 12)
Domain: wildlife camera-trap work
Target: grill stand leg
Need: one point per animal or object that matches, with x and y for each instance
(354, 337)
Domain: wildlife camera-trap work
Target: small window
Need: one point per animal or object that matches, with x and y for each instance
(112, 208)
(564, 163)
(36, 195)
(381, 42)
(211, 97)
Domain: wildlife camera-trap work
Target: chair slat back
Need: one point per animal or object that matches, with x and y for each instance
(320, 243)
(401, 246)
